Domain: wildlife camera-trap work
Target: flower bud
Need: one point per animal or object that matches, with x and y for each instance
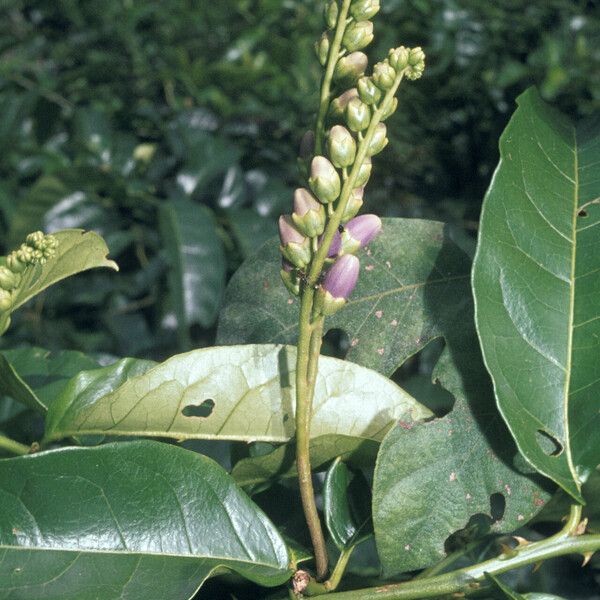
(390, 110)
(14, 264)
(364, 9)
(8, 279)
(398, 58)
(322, 49)
(26, 254)
(354, 204)
(369, 93)
(341, 147)
(364, 173)
(324, 180)
(416, 62)
(378, 141)
(358, 35)
(309, 214)
(337, 108)
(339, 283)
(384, 75)
(350, 67)
(5, 300)
(294, 246)
(356, 235)
(290, 277)
(358, 115)
(331, 14)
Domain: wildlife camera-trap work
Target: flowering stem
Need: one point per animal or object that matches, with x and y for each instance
(12, 446)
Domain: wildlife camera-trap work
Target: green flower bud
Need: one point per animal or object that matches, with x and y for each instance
(364, 173)
(26, 254)
(295, 247)
(416, 62)
(358, 115)
(331, 14)
(309, 215)
(355, 202)
(14, 264)
(364, 9)
(290, 277)
(350, 67)
(358, 35)
(337, 108)
(369, 93)
(379, 140)
(5, 300)
(384, 75)
(8, 279)
(341, 147)
(35, 239)
(324, 180)
(391, 109)
(322, 49)
(398, 58)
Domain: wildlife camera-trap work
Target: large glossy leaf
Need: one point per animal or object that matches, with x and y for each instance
(536, 281)
(196, 261)
(237, 392)
(137, 520)
(77, 251)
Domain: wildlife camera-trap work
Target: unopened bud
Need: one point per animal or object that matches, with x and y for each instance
(290, 277)
(349, 68)
(14, 264)
(339, 283)
(369, 93)
(295, 247)
(35, 239)
(324, 180)
(357, 233)
(25, 254)
(341, 147)
(398, 58)
(384, 75)
(354, 204)
(364, 173)
(331, 14)
(8, 279)
(337, 108)
(391, 109)
(416, 63)
(5, 300)
(322, 49)
(364, 9)
(378, 141)
(309, 214)
(358, 115)
(358, 35)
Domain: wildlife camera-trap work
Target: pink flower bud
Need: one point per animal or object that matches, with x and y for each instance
(341, 279)
(287, 232)
(357, 233)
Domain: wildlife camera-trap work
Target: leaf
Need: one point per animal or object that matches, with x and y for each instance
(141, 520)
(232, 393)
(197, 262)
(345, 518)
(502, 591)
(535, 281)
(12, 385)
(77, 251)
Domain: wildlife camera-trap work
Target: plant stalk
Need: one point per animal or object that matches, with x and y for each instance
(12, 446)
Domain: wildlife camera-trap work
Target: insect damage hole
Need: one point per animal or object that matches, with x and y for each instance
(549, 444)
(199, 410)
(497, 506)
(582, 213)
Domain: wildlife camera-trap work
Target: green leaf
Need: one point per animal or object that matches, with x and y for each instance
(503, 592)
(77, 251)
(140, 520)
(11, 384)
(240, 393)
(536, 280)
(197, 262)
(345, 518)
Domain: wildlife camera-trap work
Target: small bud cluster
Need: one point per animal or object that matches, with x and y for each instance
(327, 160)
(36, 249)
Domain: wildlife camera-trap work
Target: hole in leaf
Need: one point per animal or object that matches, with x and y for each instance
(582, 213)
(497, 506)
(415, 376)
(478, 526)
(548, 443)
(336, 343)
(203, 410)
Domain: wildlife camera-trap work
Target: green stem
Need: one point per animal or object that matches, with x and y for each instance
(12, 446)
(339, 569)
(332, 58)
(469, 579)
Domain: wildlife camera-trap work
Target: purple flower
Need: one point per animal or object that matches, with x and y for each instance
(358, 232)
(288, 232)
(342, 277)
